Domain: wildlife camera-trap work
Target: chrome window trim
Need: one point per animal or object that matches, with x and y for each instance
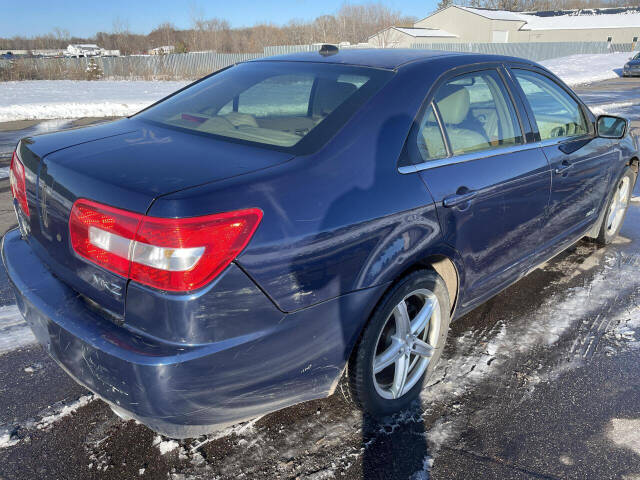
(492, 152)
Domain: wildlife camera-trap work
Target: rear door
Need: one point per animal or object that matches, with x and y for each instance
(491, 187)
(580, 161)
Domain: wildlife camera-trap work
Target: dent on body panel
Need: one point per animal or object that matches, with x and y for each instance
(411, 234)
(359, 223)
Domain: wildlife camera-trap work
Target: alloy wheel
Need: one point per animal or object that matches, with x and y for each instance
(618, 205)
(406, 344)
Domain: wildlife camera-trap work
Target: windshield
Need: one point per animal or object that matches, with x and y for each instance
(284, 105)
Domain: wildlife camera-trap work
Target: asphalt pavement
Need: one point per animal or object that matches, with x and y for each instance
(542, 381)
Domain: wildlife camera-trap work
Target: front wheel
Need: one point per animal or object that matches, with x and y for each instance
(401, 345)
(617, 208)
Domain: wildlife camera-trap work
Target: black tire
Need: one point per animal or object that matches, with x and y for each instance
(362, 389)
(607, 234)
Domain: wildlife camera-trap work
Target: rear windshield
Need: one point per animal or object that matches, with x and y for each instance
(283, 105)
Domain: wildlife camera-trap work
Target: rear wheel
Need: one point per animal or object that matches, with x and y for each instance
(617, 208)
(401, 345)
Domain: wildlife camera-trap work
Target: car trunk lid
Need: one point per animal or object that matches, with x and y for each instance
(126, 164)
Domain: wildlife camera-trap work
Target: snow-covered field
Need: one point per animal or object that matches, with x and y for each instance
(582, 69)
(49, 99)
(52, 99)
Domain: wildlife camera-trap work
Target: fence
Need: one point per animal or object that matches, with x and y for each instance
(536, 51)
(161, 67)
(195, 65)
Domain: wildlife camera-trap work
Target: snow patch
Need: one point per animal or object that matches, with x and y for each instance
(64, 411)
(625, 433)
(165, 446)
(14, 331)
(609, 108)
(60, 411)
(7, 439)
(59, 99)
(423, 474)
(587, 68)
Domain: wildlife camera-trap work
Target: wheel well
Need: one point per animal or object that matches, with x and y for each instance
(444, 267)
(633, 163)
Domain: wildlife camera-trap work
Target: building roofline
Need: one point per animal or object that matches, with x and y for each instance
(471, 10)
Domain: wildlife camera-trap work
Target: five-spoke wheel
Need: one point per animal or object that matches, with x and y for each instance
(401, 344)
(616, 209)
(406, 343)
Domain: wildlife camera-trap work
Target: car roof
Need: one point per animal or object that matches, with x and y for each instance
(388, 58)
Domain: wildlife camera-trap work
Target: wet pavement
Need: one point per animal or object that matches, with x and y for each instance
(542, 381)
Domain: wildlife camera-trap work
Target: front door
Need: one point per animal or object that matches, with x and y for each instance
(491, 189)
(579, 160)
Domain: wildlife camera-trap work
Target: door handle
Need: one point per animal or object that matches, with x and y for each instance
(563, 167)
(458, 199)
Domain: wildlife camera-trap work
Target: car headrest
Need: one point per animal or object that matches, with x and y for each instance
(453, 102)
(330, 94)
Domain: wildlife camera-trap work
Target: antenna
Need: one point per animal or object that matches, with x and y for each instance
(327, 50)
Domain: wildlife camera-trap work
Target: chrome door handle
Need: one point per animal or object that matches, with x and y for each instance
(458, 199)
(564, 166)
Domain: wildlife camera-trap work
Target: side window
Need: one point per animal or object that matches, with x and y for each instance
(279, 96)
(477, 113)
(430, 141)
(556, 113)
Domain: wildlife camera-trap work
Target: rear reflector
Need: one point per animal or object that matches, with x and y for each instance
(18, 182)
(174, 254)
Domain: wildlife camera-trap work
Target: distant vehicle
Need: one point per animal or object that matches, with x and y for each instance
(632, 67)
(241, 245)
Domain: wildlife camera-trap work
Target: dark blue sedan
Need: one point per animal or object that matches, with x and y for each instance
(247, 242)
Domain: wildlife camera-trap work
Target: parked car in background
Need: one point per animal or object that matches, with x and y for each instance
(243, 244)
(632, 67)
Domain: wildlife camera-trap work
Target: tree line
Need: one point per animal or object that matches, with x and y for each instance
(352, 23)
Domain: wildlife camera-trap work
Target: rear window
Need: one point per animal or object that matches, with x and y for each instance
(283, 105)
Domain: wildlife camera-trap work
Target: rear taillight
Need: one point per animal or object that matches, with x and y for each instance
(18, 182)
(174, 254)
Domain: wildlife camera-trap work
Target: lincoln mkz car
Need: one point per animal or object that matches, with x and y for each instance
(255, 238)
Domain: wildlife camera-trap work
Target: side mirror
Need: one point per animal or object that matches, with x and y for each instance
(608, 126)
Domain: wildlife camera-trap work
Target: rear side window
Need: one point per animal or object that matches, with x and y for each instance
(291, 106)
(476, 113)
(430, 142)
(556, 113)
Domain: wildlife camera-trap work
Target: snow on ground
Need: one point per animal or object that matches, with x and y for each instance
(50, 416)
(49, 99)
(54, 99)
(14, 332)
(588, 68)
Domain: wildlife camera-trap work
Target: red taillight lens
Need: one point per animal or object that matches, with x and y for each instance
(18, 183)
(174, 254)
(103, 234)
(186, 253)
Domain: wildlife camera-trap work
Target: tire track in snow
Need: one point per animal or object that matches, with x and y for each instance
(14, 331)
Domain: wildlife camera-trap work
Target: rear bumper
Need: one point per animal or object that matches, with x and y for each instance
(185, 390)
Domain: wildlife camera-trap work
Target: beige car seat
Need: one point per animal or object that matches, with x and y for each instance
(453, 102)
